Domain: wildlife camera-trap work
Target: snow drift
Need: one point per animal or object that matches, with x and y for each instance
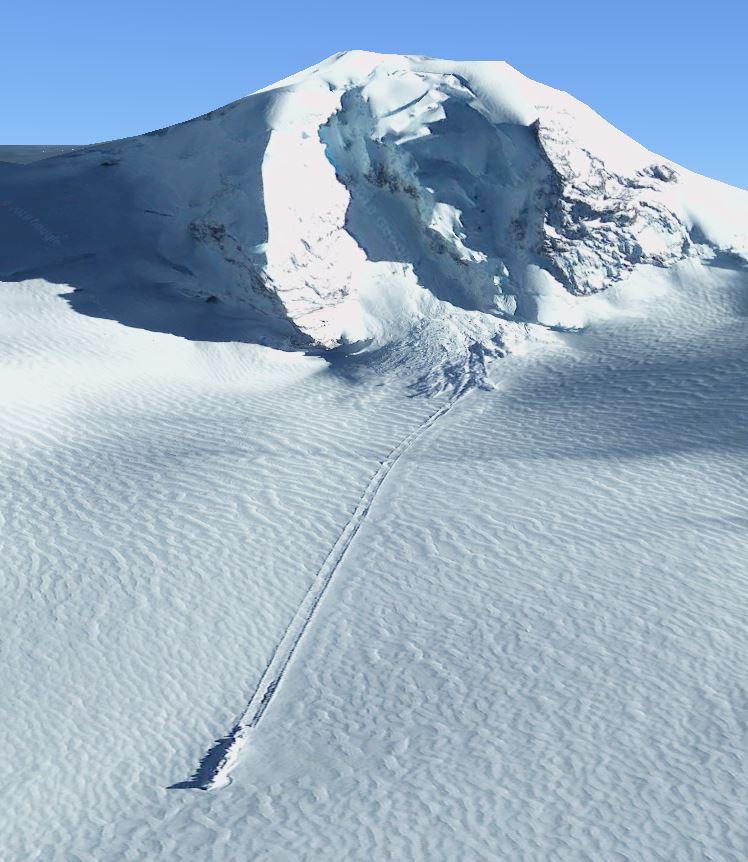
(370, 200)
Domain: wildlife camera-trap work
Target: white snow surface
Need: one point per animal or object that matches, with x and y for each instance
(304, 547)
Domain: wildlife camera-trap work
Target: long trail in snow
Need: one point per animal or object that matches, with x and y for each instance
(215, 766)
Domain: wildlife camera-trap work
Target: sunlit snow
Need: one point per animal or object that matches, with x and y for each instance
(372, 483)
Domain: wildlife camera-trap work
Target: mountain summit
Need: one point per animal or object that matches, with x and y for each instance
(365, 200)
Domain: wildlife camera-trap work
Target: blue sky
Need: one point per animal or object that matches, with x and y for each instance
(672, 75)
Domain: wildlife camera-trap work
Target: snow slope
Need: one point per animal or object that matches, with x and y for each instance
(280, 544)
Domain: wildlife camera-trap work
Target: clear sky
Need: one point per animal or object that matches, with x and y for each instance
(673, 75)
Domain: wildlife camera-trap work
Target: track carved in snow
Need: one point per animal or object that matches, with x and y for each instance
(215, 766)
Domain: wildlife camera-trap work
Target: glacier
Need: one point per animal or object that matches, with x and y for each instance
(493, 201)
(374, 459)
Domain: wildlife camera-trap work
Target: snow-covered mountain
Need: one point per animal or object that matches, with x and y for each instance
(366, 196)
(237, 555)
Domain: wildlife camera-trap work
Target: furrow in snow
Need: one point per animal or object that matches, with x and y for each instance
(213, 771)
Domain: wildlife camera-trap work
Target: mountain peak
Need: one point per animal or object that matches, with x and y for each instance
(374, 196)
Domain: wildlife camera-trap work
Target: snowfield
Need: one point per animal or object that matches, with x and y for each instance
(372, 483)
